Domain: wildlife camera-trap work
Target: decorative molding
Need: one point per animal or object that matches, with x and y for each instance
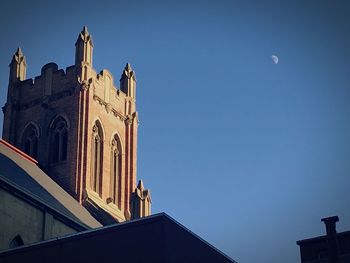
(85, 85)
(129, 120)
(109, 108)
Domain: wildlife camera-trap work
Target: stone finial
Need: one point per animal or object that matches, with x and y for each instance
(141, 201)
(83, 48)
(18, 56)
(128, 81)
(128, 71)
(85, 35)
(18, 66)
(19, 52)
(140, 185)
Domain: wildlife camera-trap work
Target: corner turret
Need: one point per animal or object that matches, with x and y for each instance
(128, 81)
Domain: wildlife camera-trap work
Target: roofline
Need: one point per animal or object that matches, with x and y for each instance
(320, 238)
(16, 150)
(201, 239)
(33, 199)
(82, 234)
(92, 232)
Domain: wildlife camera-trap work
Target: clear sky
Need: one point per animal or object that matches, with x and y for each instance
(246, 153)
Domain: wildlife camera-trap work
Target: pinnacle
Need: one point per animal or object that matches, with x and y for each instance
(140, 185)
(19, 52)
(128, 67)
(85, 31)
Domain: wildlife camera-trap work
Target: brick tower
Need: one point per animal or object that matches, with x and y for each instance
(82, 130)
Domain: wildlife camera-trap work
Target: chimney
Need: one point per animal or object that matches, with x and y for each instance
(332, 241)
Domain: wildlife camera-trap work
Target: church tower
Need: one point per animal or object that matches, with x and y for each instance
(82, 129)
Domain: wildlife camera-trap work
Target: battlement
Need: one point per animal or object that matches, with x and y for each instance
(107, 93)
(54, 82)
(51, 81)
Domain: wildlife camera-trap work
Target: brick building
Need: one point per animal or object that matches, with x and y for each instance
(333, 247)
(82, 130)
(68, 169)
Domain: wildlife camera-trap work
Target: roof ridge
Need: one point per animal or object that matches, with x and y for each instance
(20, 152)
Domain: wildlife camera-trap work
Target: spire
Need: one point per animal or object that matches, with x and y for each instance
(83, 48)
(128, 81)
(18, 66)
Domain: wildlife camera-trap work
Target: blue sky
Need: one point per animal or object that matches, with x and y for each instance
(248, 154)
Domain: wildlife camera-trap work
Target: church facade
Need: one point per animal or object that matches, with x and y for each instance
(68, 185)
(82, 130)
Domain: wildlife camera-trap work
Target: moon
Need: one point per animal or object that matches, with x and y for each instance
(274, 59)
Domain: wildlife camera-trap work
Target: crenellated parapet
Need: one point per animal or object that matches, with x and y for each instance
(108, 95)
(52, 84)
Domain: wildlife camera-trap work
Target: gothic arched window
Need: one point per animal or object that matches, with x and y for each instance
(97, 158)
(59, 140)
(17, 241)
(30, 141)
(116, 170)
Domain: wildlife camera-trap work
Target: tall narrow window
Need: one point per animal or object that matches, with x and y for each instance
(116, 168)
(30, 141)
(59, 140)
(97, 158)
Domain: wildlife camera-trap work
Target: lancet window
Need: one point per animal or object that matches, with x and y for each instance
(116, 169)
(59, 140)
(97, 158)
(30, 141)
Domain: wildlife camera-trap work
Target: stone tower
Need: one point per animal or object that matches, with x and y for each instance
(81, 129)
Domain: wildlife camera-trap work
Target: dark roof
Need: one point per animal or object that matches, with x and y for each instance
(322, 238)
(21, 172)
(157, 238)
